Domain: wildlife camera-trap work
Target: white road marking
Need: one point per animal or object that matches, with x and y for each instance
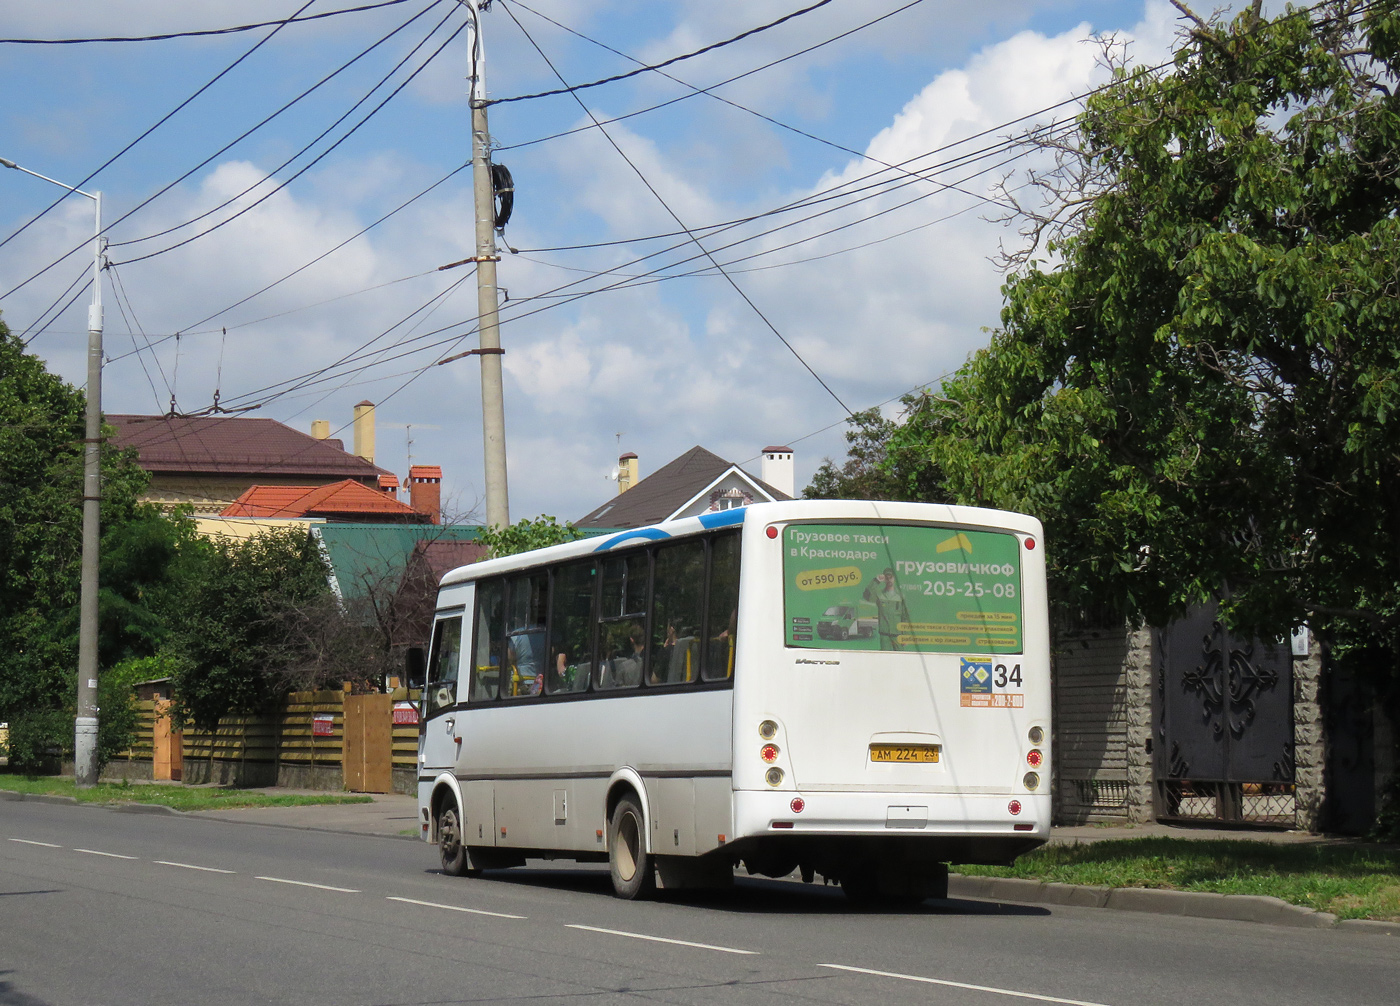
(109, 855)
(455, 908)
(191, 866)
(303, 883)
(663, 939)
(962, 985)
(27, 841)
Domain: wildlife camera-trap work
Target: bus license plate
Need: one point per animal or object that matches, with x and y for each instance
(904, 752)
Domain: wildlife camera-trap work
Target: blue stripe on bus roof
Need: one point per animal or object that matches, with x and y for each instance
(722, 517)
(646, 532)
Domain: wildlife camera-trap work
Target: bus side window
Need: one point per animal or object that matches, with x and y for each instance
(678, 607)
(621, 620)
(443, 662)
(527, 607)
(723, 608)
(490, 638)
(570, 629)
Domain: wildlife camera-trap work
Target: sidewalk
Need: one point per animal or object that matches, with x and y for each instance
(392, 815)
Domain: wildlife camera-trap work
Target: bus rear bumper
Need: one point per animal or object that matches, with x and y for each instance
(895, 815)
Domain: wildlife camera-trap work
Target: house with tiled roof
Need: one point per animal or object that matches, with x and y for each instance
(207, 462)
(347, 500)
(699, 481)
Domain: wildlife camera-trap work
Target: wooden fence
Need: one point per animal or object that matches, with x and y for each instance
(302, 744)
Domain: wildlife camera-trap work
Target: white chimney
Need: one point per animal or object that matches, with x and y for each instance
(777, 469)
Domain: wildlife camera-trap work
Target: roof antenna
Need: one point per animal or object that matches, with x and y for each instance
(175, 380)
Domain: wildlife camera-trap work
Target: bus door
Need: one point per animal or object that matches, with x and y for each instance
(442, 729)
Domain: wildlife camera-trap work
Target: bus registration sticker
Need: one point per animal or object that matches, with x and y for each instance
(986, 684)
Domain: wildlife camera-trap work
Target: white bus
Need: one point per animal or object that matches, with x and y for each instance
(672, 700)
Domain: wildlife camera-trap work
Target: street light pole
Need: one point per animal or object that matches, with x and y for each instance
(493, 418)
(85, 725)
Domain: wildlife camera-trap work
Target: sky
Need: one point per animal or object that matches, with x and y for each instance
(882, 279)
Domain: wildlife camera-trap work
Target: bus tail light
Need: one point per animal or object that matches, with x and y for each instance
(769, 753)
(1036, 735)
(1034, 758)
(768, 730)
(798, 805)
(1014, 806)
(774, 776)
(1032, 781)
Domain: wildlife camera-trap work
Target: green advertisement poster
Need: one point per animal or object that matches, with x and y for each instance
(899, 587)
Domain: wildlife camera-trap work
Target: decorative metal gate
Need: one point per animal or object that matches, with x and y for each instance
(1222, 724)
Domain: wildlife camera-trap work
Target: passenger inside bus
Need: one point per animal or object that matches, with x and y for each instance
(626, 649)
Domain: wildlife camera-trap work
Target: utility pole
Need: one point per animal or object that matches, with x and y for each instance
(85, 724)
(493, 419)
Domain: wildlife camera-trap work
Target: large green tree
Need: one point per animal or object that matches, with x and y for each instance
(1202, 392)
(41, 462)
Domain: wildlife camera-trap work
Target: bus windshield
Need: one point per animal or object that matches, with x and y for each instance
(901, 587)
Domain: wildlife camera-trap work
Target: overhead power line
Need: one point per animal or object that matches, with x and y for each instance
(674, 216)
(160, 122)
(201, 32)
(573, 89)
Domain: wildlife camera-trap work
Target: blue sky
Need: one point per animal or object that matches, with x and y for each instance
(875, 311)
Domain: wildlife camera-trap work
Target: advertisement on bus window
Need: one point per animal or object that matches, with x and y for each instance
(901, 587)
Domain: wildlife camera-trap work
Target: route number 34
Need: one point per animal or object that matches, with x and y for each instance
(1002, 675)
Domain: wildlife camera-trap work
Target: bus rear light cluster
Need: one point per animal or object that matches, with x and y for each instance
(774, 776)
(1032, 781)
(1034, 758)
(769, 753)
(1014, 806)
(798, 805)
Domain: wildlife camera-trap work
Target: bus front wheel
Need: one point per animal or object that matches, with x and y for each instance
(631, 865)
(451, 850)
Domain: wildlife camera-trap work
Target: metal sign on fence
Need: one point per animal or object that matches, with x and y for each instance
(322, 725)
(405, 714)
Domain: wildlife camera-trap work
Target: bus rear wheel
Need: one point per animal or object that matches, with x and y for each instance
(450, 848)
(632, 870)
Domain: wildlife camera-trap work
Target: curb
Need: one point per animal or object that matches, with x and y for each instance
(1192, 904)
(7, 794)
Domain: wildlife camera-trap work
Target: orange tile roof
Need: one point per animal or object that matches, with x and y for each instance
(339, 499)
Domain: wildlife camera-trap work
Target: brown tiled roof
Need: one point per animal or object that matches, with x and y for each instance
(236, 445)
(662, 492)
(345, 499)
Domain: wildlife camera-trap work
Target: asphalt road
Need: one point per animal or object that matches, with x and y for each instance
(98, 906)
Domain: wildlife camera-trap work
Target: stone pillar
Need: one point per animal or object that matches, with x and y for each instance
(1138, 664)
(1309, 742)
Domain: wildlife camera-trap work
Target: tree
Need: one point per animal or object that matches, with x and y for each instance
(41, 445)
(257, 620)
(877, 467)
(1202, 396)
(525, 535)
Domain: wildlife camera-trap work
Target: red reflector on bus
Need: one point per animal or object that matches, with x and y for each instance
(1030, 543)
(772, 531)
(1023, 827)
(782, 824)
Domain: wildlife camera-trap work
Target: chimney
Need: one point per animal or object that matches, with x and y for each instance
(321, 429)
(364, 431)
(627, 473)
(777, 468)
(389, 485)
(425, 491)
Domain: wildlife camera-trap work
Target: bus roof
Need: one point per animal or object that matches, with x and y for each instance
(787, 510)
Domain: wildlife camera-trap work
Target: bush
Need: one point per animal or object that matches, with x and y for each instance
(39, 740)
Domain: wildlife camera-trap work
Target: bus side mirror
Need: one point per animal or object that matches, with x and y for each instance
(415, 667)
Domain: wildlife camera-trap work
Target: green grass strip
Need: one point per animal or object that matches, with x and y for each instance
(175, 796)
(1352, 880)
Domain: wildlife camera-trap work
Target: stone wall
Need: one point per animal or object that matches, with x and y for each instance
(1309, 740)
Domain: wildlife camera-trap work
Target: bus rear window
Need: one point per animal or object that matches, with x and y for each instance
(901, 587)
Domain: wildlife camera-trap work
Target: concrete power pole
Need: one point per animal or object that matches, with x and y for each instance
(493, 419)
